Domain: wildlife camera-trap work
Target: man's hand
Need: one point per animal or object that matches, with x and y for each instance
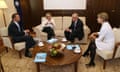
(69, 30)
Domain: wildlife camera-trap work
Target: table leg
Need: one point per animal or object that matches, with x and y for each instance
(38, 67)
(76, 66)
(2, 68)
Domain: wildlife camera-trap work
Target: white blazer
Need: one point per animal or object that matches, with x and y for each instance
(106, 39)
(45, 21)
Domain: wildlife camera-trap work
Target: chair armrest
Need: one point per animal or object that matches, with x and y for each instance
(115, 49)
(117, 44)
(39, 27)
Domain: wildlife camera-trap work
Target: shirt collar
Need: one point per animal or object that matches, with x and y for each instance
(16, 23)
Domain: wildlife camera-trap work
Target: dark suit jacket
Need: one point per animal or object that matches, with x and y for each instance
(78, 30)
(13, 30)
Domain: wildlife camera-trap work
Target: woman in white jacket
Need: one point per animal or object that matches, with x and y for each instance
(48, 26)
(103, 40)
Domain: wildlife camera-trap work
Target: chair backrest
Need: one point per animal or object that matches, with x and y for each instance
(7, 42)
(66, 22)
(4, 31)
(117, 39)
(4, 35)
(116, 34)
(58, 22)
(37, 30)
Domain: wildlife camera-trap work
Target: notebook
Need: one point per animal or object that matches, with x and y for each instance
(40, 57)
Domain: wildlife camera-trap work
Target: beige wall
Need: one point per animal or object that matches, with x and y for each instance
(8, 12)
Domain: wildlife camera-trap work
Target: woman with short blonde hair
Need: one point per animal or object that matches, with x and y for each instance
(103, 40)
(103, 16)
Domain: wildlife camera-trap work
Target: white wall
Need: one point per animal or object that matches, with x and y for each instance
(65, 4)
(8, 12)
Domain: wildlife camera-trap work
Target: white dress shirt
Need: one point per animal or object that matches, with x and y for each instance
(50, 23)
(106, 39)
(17, 25)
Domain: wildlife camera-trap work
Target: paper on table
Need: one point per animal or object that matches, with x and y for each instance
(53, 40)
(40, 57)
(40, 44)
(69, 47)
(64, 39)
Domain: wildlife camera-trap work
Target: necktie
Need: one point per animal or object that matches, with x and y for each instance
(74, 25)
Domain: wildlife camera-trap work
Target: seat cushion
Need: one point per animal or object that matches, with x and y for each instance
(59, 33)
(105, 54)
(19, 46)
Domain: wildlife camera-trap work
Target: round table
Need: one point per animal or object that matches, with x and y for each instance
(69, 57)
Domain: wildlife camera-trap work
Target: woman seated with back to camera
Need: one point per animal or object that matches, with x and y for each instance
(103, 40)
(48, 26)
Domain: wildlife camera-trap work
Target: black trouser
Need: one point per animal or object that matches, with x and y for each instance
(71, 36)
(27, 39)
(92, 50)
(50, 32)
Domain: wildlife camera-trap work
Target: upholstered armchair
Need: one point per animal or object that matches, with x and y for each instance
(8, 42)
(109, 55)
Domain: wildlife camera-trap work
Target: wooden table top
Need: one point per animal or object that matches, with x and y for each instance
(69, 57)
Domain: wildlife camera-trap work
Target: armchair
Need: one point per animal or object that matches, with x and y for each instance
(8, 42)
(109, 55)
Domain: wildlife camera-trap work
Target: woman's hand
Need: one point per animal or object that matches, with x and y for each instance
(46, 23)
(93, 35)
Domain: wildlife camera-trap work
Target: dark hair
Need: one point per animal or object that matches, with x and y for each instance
(14, 15)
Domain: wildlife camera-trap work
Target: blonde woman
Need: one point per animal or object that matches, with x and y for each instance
(48, 26)
(103, 40)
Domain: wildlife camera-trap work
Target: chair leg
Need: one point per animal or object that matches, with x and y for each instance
(104, 64)
(6, 49)
(20, 55)
(2, 68)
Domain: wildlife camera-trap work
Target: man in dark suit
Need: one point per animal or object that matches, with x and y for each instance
(75, 30)
(18, 34)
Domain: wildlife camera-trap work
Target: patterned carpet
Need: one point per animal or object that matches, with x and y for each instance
(12, 63)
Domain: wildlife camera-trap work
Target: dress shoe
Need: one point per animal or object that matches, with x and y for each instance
(28, 55)
(90, 65)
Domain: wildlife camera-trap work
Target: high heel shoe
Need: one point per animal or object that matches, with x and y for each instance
(90, 65)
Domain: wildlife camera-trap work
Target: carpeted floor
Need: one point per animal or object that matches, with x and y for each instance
(12, 63)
